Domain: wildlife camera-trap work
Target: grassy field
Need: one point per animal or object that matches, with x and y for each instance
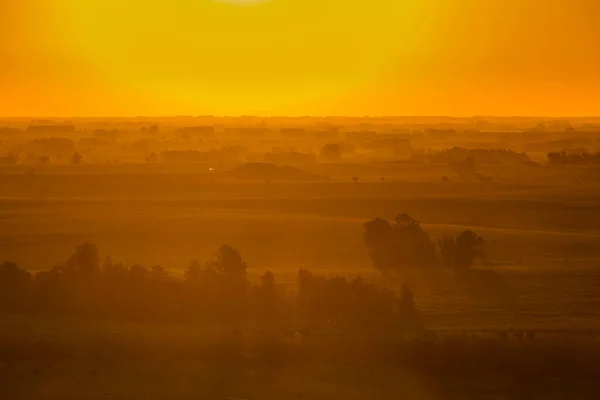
(540, 275)
(542, 236)
(51, 359)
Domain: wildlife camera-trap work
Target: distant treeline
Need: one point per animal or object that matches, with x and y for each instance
(559, 145)
(228, 154)
(101, 146)
(480, 156)
(402, 244)
(573, 158)
(218, 293)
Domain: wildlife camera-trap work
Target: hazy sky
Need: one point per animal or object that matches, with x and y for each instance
(299, 57)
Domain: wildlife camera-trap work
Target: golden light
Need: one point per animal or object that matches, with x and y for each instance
(232, 57)
(243, 2)
(207, 56)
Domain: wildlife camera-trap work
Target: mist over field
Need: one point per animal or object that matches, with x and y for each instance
(299, 199)
(300, 258)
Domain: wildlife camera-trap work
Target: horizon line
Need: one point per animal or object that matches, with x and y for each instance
(302, 116)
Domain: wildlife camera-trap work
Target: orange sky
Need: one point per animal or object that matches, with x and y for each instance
(299, 57)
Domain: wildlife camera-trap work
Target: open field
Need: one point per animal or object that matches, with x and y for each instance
(49, 359)
(542, 239)
(522, 322)
(300, 200)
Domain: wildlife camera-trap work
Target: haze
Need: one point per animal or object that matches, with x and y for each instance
(293, 57)
(300, 199)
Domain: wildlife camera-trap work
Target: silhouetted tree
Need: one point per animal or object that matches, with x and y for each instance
(447, 251)
(465, 168)
(152, 158)
(379, 236)
(460, 253)
(15, 285)
(158, 273)
(268, 299)
(53, 291)
(407, 301)
(153, 129)
(331, 151)
(356, 304)
(76, 159)
(268, 284)
(193, 272)
(229, 262)
(573, 158)
(114, 272)
(468, 247)
(556, 159)
(216, 293)
(400, 244)
(138, 273)
(228, 272)
(85, 259)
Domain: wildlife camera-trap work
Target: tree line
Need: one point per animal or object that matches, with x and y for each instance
(218, 293)
(564, 159)
(402, 244)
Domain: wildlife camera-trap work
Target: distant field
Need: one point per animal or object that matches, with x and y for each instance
(173, 218)
(542, 239)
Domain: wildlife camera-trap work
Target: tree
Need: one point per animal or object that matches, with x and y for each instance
(354, 304)
(378, 235)
(152, 158)
(229, 262)
(468, 247)
(268, 284)
(447, 251)
(153, 129)
(15, 284)
(76, 159)
(400, 244)
(307, 284)
(412, 247)
(138, 272)
(460, 253)
(158, 273)
(227, 274)
(268, 299)
(85, 259)
(193, 272)
(407, 301)
(114, 272)
(556, 159)
(465, 168)
(331, 151)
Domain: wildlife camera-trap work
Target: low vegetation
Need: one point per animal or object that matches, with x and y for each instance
(217, 294)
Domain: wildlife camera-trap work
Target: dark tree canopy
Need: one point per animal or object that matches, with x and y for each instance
(460, 253)
(85, 259)
(217, 293)
(76, 158)
(468, 246)
(339, 301)
(331, 151)
(229, 261)
(193, 272)
(399, 244)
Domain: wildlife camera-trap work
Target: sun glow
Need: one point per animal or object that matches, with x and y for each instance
(456, 57)
(207, 55)
(243, 2)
